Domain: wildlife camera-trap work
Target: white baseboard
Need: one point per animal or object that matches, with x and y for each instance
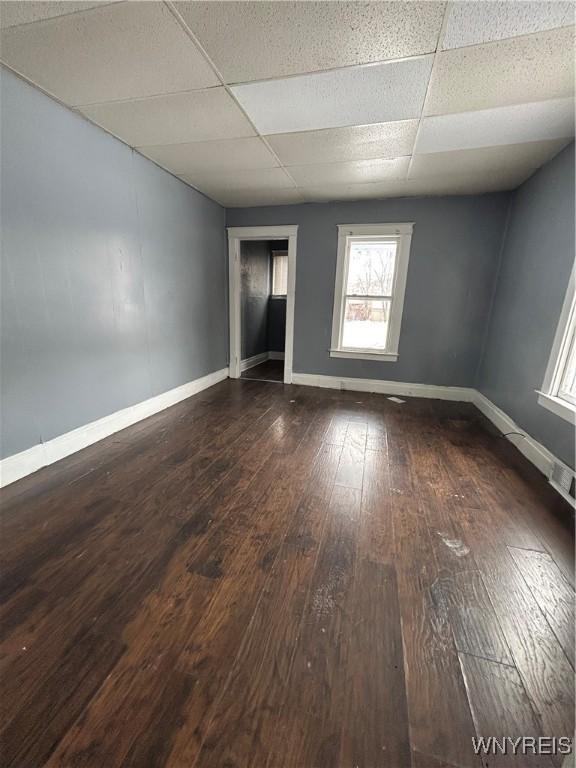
(250, 362)
(21, 464)
(461, 394)
(534, 451)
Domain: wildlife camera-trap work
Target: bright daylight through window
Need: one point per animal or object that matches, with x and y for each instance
(279, 273)
(558, 392)
(370, 283)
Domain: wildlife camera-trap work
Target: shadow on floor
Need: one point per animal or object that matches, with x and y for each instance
(271, 370)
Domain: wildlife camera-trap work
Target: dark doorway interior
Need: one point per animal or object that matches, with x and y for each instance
(264, 271)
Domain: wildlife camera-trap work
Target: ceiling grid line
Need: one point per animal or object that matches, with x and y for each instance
(439, 42)
(201, 48)
(272, 103)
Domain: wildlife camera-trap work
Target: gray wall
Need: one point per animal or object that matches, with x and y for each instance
(277, 324)
(537, 256)
(113, 273)
(254, 294)
(453, 260)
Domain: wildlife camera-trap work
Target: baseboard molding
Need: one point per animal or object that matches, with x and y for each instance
(25, 463)
(21, 464)
(534, 451)
(400, 388)
(250, 362)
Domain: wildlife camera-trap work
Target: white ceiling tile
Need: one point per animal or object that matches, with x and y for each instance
(13, 12)
(466, 184)
(343, 134)
(513, 71)
(521, 158)
(205, 156)
(357, 142)
(253, 180)
(173, 119)
(460, 184)
(553, 119)
(374, 93)
(349, 173)
(470, 23)
(259, 40)
(119, 51)
(251, 198)
(321, 193)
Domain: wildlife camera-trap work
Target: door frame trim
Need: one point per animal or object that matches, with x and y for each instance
(235, 237)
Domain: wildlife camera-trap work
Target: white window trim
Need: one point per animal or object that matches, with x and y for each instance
(548, 395)
(404, 233)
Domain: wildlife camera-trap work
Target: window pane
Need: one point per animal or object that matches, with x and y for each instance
(280, 275)
(366, 324)
(371, 268)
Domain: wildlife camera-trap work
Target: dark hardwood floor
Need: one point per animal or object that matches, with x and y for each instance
(271, 370)
(274, 576)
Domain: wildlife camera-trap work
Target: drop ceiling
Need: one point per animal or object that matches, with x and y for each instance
(272, 103)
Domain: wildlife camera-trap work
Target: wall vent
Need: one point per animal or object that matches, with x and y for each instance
(564, 481)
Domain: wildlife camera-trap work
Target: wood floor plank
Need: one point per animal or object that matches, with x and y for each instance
(491, 495)
(310, 715)
(243, 728)
(270, 370)
(270, 576)
(547, 515)
(433, 678)
(399, 464)
(224, 577)
(545, 671)
(502, 709)
(376, 533)
(166, 535)
(552, 592)
(86, 557)
(375, 728)
(472, 619)
(336, 433)
(130, 479)
(351, 468)
(459, 589)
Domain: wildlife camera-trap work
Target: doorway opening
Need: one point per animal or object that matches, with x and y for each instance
(262, 264)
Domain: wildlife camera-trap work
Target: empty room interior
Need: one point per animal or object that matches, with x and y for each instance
(287, 384)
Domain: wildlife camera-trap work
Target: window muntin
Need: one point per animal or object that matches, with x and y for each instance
(370, 283)
(279, 273)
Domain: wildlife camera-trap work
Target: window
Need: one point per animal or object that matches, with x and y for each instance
(279, 273)
(558, 392)
(369, 294)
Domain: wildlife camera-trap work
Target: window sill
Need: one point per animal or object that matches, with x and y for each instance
(389, 357)
(559, 407)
